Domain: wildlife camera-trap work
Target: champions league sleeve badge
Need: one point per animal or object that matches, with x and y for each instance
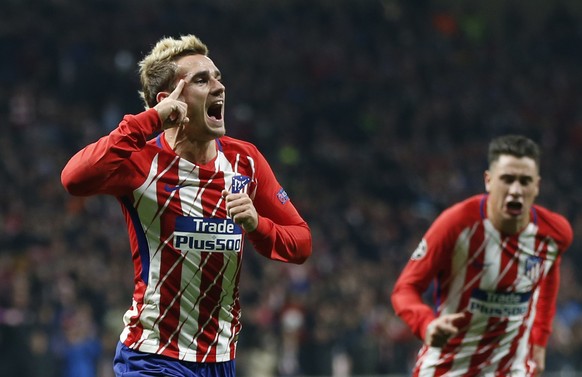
(282, 196)
(420, 251)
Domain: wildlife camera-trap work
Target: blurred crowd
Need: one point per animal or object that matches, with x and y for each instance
(375, 116)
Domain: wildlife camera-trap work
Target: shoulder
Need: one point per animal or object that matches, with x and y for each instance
(156, 141)
(240, 150)
(231, 144)
(553, 225)
(467, 211)
(457, 218)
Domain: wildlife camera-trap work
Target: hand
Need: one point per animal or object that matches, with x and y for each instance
(441, 329)
(539, 358)
(241, 209)
(171, 110)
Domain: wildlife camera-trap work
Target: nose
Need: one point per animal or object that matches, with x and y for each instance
(217, 87)
(516, 188)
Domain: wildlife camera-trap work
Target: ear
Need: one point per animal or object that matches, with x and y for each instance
(538, 186)
(161, 95)
(487, 180)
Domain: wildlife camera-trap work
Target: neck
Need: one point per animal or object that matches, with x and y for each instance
(509, 227)
(197, 152)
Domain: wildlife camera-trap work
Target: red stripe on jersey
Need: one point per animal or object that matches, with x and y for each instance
(170, 298)
(505, 363)
(207, 307)
(509, 266)
(495, 330)
(446, 359)
(474, 268)
(212, 184)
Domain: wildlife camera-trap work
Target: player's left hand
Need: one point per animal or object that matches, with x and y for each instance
(241, 209)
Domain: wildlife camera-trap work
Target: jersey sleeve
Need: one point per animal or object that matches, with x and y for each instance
(282, 234)
(562, 233)
(546, 307)
(429, 259)
(101, 167)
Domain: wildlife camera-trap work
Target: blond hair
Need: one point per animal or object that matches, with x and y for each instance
(157, 70)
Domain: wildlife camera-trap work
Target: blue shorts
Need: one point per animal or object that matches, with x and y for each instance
(130, 363)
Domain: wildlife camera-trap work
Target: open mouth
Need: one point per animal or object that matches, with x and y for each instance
(215, 110)
(514, 208)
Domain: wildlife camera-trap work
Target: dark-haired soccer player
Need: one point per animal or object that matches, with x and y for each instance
(189, 196)
(495, 261)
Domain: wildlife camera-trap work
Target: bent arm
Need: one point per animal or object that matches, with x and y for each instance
(281, 234)
(430, 259)
(407, 299)
(546, 306)
(286, 243)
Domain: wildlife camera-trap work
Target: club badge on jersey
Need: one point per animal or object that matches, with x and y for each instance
(533, 268)
(239, 183)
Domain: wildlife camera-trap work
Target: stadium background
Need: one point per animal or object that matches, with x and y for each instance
(375, 116)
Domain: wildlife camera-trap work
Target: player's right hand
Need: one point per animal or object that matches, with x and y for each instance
(171, 110)
(441, 329)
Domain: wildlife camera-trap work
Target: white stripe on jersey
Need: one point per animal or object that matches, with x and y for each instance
(492, 261)
(459, 263)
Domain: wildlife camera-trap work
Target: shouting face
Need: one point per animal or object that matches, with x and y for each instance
(513, 184)
(204, 94)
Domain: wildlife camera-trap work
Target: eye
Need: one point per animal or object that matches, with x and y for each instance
(508, 179)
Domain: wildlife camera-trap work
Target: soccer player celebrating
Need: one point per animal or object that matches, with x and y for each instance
(189, 195)
(495, 261)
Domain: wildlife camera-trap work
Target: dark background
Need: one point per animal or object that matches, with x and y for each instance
(375, 115)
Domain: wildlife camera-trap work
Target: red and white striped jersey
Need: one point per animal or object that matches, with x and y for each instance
(186, 251)
(506, 284)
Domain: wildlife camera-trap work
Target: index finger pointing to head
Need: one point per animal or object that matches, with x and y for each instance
(176, 92)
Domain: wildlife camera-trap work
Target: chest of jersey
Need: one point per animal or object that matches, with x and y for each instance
(503, 263)
(495, 275)
(180, 205)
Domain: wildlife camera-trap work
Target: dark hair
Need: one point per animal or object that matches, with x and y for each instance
(513, 145)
